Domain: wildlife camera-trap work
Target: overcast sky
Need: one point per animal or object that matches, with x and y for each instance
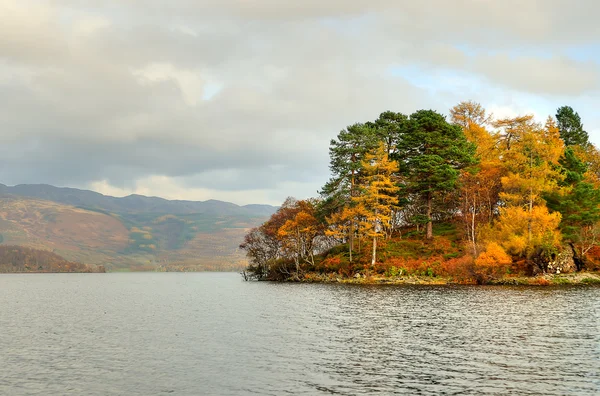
(237, 99)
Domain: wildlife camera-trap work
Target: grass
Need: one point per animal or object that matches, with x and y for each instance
(591, 281)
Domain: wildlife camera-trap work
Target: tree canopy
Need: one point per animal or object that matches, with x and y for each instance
(520, 190)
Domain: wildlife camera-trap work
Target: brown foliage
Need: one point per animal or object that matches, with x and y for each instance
(23, 259)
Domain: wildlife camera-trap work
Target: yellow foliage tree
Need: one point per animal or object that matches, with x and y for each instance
(342, 224)
(532, 170)
(519, 230)
(493, 255)
(379, 195)
(480, 184)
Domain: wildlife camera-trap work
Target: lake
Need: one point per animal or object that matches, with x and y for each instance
(212, 333)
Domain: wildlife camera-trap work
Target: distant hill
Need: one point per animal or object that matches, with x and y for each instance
(134, 232)
(22, 259)
(133, 203)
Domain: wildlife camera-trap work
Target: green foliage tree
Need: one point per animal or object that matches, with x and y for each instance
(571, 128)
(431, 154)
(346, 154)
(389, 128)
(579, 205)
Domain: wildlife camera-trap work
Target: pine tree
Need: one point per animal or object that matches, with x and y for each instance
(571, 128)
(431, 154)
(346, 156)
(578, 202)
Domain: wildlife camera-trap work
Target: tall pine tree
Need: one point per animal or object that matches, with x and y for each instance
(431, 153)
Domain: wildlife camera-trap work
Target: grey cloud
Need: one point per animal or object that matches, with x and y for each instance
(82, 101)
(557, 75)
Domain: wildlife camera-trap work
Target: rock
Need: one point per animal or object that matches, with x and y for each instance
(564, 262)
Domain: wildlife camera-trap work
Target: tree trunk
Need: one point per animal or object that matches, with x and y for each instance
(374, 251)
(530, 220)
(351, 242)
(473, 229)
(429, 234)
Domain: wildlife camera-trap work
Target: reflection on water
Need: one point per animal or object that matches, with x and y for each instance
(190, 334)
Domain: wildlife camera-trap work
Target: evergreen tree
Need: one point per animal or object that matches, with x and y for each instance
(571, 128)
(346, 156)
(579, 205)
(431, 154)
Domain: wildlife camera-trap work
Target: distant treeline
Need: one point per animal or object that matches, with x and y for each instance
(16, 259)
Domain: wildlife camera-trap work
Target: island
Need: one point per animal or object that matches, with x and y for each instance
(471, 199)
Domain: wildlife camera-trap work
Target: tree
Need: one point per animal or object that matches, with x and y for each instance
(263, 244)
(579, 205)
(469, 114)
(342, 224)
(379, 195)
(521, 231)
(299, 233)
(389, 128)
(512, 129)
(571, 128)
(431, 154)
(346, 155)
(532, 172)
(480, 183)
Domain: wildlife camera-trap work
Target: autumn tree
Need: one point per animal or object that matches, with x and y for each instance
(298, 235)
(263, 245)
(470, 116)
(431, 154)
(511, 129)
(378, 195)
(342, 224)
(525, 222)
(479, 183)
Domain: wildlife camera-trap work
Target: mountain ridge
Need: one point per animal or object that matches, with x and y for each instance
(128, 233)
(129, 203)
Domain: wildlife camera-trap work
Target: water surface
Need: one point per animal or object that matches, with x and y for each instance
(192, 334)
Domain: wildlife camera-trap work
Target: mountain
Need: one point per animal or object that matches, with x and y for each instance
(131, 204)
(133, 232)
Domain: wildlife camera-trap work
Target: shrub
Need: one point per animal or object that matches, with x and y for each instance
(460, 269)
(492, 264)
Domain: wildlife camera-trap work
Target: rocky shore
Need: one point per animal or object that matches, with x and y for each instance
(579, 278)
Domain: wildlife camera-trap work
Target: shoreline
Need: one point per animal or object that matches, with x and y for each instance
(577, 278)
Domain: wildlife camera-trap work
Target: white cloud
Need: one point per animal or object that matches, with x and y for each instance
(238, 100)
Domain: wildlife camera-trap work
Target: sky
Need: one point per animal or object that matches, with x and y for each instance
(237, 100)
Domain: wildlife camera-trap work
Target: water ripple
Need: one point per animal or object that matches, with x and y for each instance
(190, 334)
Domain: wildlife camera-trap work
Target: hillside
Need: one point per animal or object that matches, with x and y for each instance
(134, 232)
(19, 259)
(132, 203)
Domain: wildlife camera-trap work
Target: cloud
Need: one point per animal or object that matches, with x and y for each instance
(238, 100)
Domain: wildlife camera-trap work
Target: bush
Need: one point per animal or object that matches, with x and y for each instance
(492, 264)
(460, 269)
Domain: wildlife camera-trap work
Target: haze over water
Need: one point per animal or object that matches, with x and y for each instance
(211, 333)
